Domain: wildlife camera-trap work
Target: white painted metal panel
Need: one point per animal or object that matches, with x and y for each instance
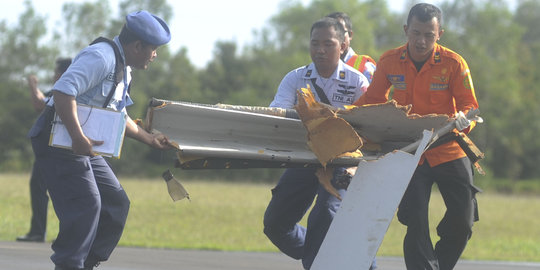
(365, 214)
(228, 133)
(389, 122)
(204, 131)
(209, 134)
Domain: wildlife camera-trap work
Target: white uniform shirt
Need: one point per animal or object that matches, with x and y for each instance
(350, 53)
(343, 87)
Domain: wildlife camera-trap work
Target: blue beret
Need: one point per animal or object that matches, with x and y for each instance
(148, 27)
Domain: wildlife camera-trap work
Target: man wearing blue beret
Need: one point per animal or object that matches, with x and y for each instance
(88, 199)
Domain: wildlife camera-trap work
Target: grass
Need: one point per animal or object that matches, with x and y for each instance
(228, 216)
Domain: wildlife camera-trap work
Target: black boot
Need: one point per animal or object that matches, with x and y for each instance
(59, 267)
(90, 266)
(31, 238)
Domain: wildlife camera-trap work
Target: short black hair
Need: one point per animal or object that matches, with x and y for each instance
(342, 16)
(62, 64)
(328, 22)
(425, 12)
(127, 36)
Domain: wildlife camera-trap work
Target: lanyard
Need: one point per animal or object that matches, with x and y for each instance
(122, 103)
(320, 92)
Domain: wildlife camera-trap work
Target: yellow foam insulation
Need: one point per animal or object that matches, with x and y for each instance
(322, 123)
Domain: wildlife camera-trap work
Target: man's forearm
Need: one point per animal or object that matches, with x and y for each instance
(38, 99)
(136, 132)
(158, 141)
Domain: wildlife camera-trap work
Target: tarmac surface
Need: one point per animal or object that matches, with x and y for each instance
(35, 256)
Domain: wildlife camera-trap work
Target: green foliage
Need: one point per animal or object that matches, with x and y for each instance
(501, 46)
(500, 99)
(529, 57)
(81, 26)
(22, 54)
(15, 155)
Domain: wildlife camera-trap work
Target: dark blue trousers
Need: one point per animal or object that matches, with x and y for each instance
(455, 182)
(90, 203)
(291, 199)
(39, 201)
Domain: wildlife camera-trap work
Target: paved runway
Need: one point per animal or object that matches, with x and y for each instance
(35, 256)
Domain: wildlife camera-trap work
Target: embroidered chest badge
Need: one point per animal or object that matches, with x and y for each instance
(398, 81)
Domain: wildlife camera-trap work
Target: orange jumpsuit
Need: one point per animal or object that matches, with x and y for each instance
(442, 86)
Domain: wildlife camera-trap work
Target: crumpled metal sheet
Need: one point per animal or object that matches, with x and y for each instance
(389, 122)
(211, 137)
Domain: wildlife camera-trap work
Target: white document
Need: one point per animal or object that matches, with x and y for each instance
(98, 124)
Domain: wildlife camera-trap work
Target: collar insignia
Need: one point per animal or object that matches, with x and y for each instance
(437, 57)
(403, 55)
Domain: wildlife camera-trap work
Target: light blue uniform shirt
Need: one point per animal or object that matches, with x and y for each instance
(343, 87)
(90, 77)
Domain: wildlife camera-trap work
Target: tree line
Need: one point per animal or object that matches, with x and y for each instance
(501, 45)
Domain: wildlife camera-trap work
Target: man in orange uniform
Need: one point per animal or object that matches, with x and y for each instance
(437, 80)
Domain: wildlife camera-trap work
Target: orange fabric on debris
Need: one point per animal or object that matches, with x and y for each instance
(442, 86)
